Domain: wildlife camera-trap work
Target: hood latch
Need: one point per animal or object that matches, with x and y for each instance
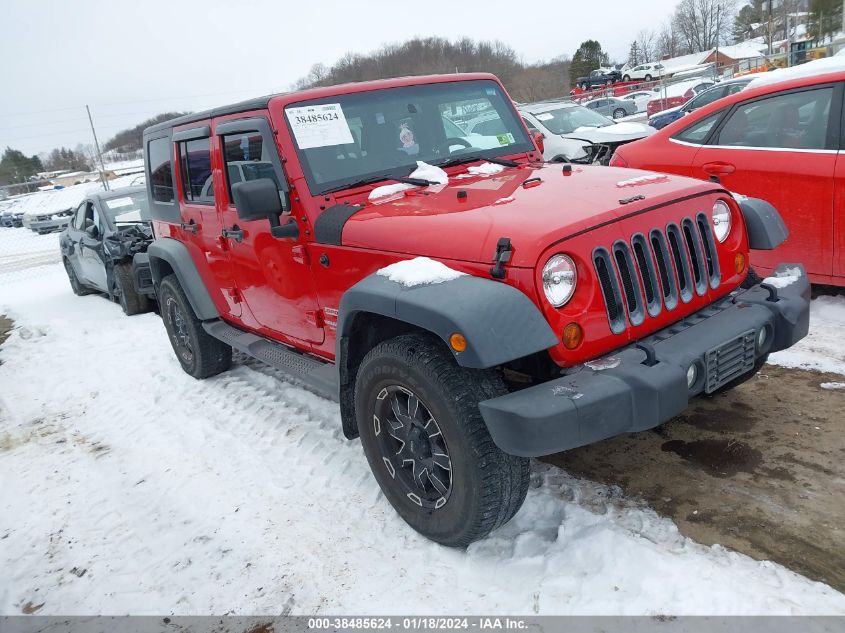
(502, 257)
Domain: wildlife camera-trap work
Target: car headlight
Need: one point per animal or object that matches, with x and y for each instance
(559, 279)
(721, 220)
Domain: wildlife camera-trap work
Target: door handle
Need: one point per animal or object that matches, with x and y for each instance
(235, 233)
(718, 169)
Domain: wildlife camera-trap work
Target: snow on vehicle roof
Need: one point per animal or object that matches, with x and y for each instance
(678, 89)
(810, 69)
(55, 200)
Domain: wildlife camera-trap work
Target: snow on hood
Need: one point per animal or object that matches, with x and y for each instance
(419, 271)
(423, 171)
(626, 131)
(56, 200)
(485, 169)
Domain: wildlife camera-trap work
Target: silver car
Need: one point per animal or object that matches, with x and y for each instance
(612, 107)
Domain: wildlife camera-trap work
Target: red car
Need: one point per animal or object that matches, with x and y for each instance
(781, 142)
(468, 305)
(677, 95)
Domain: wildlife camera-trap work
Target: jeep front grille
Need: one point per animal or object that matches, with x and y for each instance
(655, 272)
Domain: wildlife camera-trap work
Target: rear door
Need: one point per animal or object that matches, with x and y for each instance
(783, 148)
(273, 275)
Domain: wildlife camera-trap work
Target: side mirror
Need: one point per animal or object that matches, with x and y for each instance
(539, 141)
(258, 200)
(92, 231)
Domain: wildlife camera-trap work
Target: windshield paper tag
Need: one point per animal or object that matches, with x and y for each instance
(505, 139)
(117, 203)
(319, 126)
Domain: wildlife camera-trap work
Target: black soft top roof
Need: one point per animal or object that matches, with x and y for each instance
(242, 106)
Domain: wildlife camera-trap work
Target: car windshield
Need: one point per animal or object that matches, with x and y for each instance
(568, 119)
(128, 209)
(344, 140)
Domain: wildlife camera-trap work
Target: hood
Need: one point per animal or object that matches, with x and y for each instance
(667, 111)
(616, 133)
(532, 205)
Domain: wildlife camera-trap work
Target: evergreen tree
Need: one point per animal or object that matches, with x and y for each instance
(587, 58)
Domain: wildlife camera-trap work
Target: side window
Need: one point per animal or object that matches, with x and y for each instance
(697, 132)
(247, 158)
(79, 218)
(195, 167)
(531, 127)
(161, 169)
(796, 120)
(705, 99)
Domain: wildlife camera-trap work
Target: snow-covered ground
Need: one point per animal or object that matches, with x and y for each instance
(129, 487)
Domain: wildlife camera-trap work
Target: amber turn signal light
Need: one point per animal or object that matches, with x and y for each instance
(739, 263)
(572, 336)
(458, 342)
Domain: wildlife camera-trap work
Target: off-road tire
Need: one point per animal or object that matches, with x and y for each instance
(124, 291)
(79, 289)
(488, 486)
(200, 354)
(618, 113)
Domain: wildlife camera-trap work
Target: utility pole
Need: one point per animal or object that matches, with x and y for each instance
(97, 147)
(716, 65)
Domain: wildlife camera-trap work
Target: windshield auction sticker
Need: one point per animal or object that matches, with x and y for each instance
(319, 126)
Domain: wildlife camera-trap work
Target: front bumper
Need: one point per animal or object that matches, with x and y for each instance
(43, 226)
(629, 391)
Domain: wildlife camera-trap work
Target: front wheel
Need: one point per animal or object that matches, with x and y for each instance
(427, 444)
(619, 113)
(648, 77)
(124, 292)
(626, 78)
(200, 354)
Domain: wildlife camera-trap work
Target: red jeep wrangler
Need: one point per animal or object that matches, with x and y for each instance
(468, 305)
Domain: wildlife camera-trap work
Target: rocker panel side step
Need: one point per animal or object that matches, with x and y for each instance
(318, 376)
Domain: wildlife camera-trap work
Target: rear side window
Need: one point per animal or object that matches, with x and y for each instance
(697, 132)
(79, 218)
(795, 120)
(195, 163)
(161, 169)
(247, 159)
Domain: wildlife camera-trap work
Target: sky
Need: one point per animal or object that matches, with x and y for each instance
(132, 60)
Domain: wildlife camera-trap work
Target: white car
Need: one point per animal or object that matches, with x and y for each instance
(644, 72)
(573, 133)
(641, 98)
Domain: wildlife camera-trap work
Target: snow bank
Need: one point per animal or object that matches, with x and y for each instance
(824, 347)
(832, 386)
(419, 271)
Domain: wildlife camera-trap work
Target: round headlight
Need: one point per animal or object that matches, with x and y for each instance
(559, 278)
(721, 220)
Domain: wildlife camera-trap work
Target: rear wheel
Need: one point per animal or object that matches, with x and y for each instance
(626, 78)
(618, 113)
(648, 77)
(123, 290)
(200, 354)
(79, 289)
(427, 444)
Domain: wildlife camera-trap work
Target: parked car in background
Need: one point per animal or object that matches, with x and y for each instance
(612, 107)
(48, 222)
(10, 217)
(599, 77)
(573, 133)
(641, 98)
(644, 72)
(780, 141)
(98, 247)
(677, 94)
(706, 97)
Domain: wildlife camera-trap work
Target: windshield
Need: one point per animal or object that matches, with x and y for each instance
(346, 139)
(126, 209)
(567, 120)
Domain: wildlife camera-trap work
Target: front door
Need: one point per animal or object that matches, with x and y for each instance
(782, 148)
(91, 249)
(272, 275)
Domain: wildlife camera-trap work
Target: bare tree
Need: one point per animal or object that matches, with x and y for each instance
(702, 24)
(668, 43)
(646, 45)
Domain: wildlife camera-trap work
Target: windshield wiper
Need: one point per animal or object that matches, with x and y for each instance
(459, 160)
(418, 182)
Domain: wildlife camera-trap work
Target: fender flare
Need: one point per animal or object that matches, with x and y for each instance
(180, 261)
(499, 322)
(765, 226)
